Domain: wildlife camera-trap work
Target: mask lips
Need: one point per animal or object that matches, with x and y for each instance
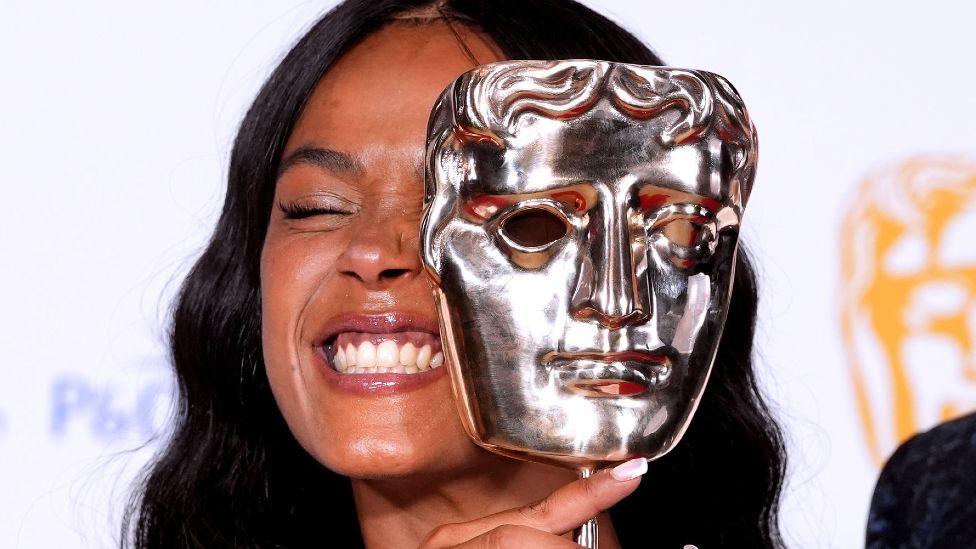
(631, 373)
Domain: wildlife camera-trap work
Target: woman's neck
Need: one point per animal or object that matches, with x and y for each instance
(399, 513)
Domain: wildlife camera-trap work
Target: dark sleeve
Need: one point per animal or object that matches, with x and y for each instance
(887, 521)
(926, 494)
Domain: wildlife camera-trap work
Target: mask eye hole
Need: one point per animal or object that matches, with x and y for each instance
(534, 228)
(685, 232)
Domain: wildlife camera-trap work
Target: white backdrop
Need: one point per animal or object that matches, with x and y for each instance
(115, 124)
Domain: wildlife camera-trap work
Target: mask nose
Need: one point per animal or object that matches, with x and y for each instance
(612, 285)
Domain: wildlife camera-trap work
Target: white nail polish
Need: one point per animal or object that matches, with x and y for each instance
(629, 469)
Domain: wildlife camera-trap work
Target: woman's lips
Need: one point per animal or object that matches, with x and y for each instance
(384, 323)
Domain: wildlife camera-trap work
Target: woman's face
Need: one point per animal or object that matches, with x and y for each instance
(340, 266)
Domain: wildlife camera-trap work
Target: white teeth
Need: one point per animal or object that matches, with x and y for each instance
(423, 358)
(366, 357)
(408, 355)
(387, 354)
(386, 357)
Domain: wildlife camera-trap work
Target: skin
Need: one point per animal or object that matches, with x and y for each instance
(416, 476)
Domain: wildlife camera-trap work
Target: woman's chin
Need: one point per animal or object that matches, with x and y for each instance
(377, 459)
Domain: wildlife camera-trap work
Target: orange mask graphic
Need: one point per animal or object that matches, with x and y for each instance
(908, 297)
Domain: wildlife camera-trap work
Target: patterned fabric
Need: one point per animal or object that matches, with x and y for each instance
(926, 495)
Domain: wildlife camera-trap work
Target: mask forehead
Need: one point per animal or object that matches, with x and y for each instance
(636, 178)
(573, 118)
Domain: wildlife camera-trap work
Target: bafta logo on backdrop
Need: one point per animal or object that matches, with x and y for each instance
(908, 297)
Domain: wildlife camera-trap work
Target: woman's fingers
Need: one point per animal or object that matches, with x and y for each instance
(559, 512)
(513, 536)
(579, 501)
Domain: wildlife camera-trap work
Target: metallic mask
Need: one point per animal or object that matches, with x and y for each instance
(581, 228)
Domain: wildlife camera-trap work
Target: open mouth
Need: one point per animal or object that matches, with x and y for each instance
(621, 374)
(377, 353)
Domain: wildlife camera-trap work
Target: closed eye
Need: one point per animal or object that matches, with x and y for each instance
(302, 211)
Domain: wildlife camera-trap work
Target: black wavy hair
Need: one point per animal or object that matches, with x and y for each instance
(232, 474)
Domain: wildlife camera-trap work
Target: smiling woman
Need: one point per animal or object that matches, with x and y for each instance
(314, 405)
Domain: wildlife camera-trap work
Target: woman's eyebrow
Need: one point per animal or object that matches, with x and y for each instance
(335, 161)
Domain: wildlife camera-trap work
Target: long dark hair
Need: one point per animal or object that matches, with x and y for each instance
(232, 475)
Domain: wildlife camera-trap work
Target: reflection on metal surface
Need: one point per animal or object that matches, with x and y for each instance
(581, 227)
(908, 305)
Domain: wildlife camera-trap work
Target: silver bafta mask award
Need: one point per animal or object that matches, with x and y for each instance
(581, 225)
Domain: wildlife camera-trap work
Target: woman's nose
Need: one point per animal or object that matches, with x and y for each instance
(382, 255)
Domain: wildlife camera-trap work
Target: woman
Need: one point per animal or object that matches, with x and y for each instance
(318, 241)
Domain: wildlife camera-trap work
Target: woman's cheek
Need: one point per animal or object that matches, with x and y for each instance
(293, 269)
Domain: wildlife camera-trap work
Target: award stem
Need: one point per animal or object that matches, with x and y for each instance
(586, 534)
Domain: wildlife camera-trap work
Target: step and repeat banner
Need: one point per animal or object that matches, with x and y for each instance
(115, 125)
(908, 296)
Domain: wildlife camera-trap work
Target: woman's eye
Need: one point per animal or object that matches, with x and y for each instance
(302, 211)
(534, 228)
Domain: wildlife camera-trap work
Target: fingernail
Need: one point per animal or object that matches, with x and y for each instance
(629, 469)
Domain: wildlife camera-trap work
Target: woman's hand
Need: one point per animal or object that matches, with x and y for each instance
(539, 525)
